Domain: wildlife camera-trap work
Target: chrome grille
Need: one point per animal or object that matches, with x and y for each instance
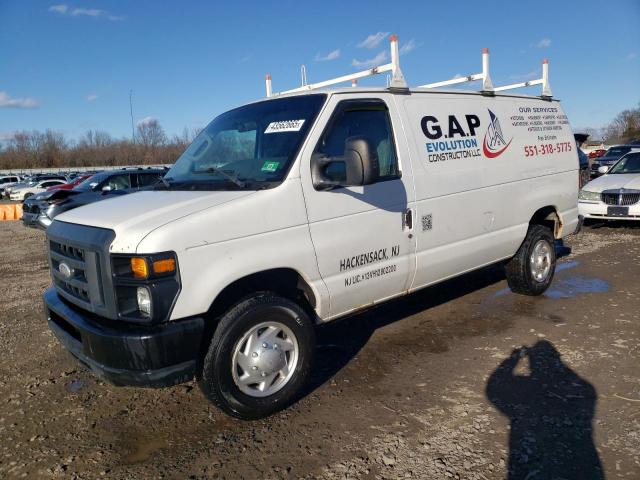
(85, 277)
(74, 258)
(621, 198)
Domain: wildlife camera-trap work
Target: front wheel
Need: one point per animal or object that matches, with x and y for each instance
(259, 358)
(531, 269)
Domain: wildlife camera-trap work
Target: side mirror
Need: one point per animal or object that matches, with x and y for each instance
(106, 188)
(603, 169)
(357, 166)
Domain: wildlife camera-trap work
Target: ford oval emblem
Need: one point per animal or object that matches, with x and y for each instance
(65, 270)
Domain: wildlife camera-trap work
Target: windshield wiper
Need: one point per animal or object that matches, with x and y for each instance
(228, 176)
(164, 182)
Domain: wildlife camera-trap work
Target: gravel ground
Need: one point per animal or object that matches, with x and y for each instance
(462, 380)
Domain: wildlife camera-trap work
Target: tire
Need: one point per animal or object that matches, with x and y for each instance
(225, 364)
(522, 277)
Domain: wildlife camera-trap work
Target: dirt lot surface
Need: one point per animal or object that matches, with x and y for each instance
(436, 385)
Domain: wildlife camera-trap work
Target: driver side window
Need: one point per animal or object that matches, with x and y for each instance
(119, 182)
(369, 118)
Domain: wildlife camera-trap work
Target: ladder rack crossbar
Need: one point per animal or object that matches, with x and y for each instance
(528, 83)
(454, 81)
(397, 79)
(343, 79)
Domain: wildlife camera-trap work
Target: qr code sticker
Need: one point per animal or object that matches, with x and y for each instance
(427, 222)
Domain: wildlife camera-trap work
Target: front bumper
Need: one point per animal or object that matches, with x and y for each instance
(124, 354)
(30, 219)
(598, 211)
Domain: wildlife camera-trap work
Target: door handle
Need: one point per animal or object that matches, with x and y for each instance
(407, 219)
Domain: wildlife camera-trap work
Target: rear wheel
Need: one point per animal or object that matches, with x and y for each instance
(531, 269)
(259, 358)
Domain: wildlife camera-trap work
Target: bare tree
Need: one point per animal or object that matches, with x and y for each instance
(594, 133)
(95, 138)
(150, 133)
(624, 127)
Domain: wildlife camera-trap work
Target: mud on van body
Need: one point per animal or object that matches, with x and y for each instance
(301, 209)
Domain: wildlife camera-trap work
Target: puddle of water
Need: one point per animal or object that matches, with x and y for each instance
(566, 265)
(559, 268)
(570, 287)
(74, 386)
(501, 293)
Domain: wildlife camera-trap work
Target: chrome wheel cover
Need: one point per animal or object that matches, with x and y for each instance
(265, 359)
(540, 261)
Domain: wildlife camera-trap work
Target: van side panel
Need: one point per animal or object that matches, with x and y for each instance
(270, 231)
(483, 166)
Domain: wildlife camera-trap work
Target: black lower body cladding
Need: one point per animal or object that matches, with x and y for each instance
(125, 354)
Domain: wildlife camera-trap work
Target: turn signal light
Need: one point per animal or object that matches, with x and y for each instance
(164, 266)
(139, 268)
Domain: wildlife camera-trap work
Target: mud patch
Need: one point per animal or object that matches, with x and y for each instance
(143, 449)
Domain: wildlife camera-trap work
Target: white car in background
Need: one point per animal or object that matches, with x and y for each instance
(616, 194)
(21, 194)
(8, 181)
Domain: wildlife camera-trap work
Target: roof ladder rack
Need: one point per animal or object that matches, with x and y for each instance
(397, 79)
(544, 81)
(487, 86)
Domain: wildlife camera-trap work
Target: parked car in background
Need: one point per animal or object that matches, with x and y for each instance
(610, 157)
(7, 181)
(583, 159)
(584, 172)
(30, 181)
(40, 211)
(4, 180)
(75, 180)
(616, 194)
(597, 153)
(19, 194)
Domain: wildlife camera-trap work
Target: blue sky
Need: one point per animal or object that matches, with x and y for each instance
(69, 65)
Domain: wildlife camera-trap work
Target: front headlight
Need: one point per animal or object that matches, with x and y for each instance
(144, 301)
(146, 286)
(589, 196)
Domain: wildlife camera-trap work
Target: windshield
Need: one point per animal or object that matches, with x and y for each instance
(91, 182)
(616, 152)
(249, 147)
(627, 164)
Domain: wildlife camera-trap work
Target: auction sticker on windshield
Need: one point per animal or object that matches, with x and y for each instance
(270, 166)
(285, 126)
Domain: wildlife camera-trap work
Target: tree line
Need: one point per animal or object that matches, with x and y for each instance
(50, 149)
(151, 145)
(624, 128)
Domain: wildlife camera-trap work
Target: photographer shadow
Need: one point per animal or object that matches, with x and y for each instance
(551, 412)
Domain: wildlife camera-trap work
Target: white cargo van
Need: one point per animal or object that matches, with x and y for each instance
(300, 209)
